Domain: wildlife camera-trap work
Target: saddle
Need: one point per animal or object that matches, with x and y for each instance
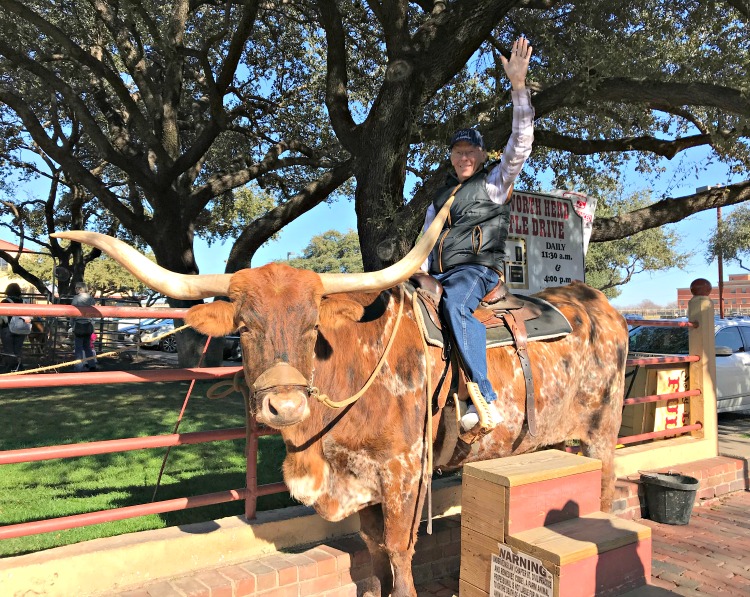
(509, 319)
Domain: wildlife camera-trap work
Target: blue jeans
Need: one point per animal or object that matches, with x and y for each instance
(463, 287)
(82, 349)
(12, 343)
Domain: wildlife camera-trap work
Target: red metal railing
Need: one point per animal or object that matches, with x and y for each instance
(112, 446)
(660, 434)
(654, 362)
(250, 493)
(251, 433)
(662, 323)
(658, 397)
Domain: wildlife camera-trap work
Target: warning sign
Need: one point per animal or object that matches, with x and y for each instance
(516, 574)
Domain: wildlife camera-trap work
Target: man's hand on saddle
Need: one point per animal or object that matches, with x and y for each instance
(518, 65)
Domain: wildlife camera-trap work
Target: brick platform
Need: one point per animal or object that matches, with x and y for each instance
(331, 570)
(717, 539)
(718, 476)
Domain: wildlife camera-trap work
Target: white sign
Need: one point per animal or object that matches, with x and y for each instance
(547, 239)
(516, 574)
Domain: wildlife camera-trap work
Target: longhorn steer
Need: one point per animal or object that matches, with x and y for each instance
(299, 330)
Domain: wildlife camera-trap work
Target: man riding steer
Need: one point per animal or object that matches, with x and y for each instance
(470, 254)
(338, 364)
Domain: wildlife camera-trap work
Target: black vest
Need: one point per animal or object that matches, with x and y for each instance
(476, 229)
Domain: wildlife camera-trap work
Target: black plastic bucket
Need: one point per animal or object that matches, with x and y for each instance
(669, 496)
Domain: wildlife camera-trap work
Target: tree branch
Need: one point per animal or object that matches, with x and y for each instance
(657, 95)
(577, 146)
(87, 59)
(237, 44)
(446, 41)
(260, 230)
(391, 14)
(337, 97)
(131, 57)
(538, 4)
(81, 111)
(741, 6)
(225, 181)
(68, 162)
(668, 211)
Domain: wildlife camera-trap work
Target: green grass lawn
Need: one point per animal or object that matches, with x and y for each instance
(47, 489)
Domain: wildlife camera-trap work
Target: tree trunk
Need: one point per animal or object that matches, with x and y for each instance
(380, 170)
(173, 249)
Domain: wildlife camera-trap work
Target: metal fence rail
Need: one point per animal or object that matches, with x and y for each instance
(655, 362)
(249, 494)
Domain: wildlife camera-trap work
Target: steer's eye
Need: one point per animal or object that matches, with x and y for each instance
(242, 329)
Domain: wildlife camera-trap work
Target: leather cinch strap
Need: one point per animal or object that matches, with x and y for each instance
(517, 328)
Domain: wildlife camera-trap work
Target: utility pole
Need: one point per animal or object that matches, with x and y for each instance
(718, 243)
(721, 263)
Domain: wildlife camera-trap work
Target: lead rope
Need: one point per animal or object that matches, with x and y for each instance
(111, 353)
(428, 427)
(179, 420)
(333, 404)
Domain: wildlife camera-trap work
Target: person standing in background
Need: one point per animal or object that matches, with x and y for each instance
(83, 328)
(12, 343)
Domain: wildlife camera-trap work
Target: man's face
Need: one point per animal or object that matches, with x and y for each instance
(466, 159)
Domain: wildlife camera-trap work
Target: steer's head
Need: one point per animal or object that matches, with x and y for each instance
(275, 308)
(275, 311)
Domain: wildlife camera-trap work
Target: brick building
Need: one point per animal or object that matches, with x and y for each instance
(736, 295)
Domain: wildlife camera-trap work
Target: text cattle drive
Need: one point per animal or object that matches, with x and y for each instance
(310, 341)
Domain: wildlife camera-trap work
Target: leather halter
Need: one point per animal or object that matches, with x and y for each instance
(280, 375)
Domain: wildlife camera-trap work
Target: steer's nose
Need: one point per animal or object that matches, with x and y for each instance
(281, 409)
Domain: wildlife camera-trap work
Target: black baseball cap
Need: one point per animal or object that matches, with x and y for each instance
(472, 136)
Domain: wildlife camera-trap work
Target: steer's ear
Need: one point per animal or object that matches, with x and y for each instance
(212, 319)
(338, 311)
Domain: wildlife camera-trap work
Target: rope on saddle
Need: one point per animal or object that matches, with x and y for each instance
(428, 439)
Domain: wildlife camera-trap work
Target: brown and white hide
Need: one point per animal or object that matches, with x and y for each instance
(370, 456)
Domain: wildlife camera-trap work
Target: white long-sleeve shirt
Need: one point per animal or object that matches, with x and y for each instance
(501, 178)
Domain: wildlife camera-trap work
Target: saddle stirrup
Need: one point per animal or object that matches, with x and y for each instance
(486, 418)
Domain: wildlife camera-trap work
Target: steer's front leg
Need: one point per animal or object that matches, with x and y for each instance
(401, 514)
(371, 530)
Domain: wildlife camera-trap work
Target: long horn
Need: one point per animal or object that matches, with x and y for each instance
(394, 274)
(179, 286)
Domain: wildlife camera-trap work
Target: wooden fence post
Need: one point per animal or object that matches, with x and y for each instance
(703, 373)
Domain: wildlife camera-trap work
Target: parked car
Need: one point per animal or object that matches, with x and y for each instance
(147, 333)
(732, 356)
(232, 348)
(631, 316)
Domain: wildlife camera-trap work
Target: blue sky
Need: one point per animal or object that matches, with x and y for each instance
(681, 177)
